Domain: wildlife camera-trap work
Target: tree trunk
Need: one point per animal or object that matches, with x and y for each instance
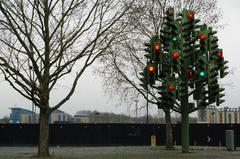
(185, 127)
(169, 135)
(43, 148)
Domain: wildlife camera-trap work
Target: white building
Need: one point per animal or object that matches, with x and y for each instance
(222, 115)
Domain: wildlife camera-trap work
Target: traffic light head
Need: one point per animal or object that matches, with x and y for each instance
(217, 57)
(175, 32)
(148, 49)
(213, 45)
(204, 38)
(220, 95)
(152, 72)
(220, 63)
(201, 66)
(170, 12)
(175, 59)
(171, 91)
(156, 49)
(165, 67)
(212, 82)
(166, 98)
(144, 79)
(223, 70)
(153, 48)
(190, 15)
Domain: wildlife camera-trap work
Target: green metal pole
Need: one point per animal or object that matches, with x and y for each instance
(184, 100)
(185, 125)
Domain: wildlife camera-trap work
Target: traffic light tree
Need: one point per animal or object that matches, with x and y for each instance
(120, 68)
(186, 65)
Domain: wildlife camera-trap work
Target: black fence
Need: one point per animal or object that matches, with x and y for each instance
(114, 134)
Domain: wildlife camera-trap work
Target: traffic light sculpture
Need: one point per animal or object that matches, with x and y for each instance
(187, 61)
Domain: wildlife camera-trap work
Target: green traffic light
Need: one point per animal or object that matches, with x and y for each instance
(201, 74)
(174, 38)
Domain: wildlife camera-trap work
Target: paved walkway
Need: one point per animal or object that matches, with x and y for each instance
(128, 152)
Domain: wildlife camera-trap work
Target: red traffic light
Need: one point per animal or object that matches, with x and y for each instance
(171, 87)
(151, 68)
(157, 47)
(175, 55)
(190, 73)
(219, 54)
(190, 15)
(202, 36)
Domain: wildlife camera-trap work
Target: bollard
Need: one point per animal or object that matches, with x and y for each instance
(229, 140)
(195, 143)
(153, 140)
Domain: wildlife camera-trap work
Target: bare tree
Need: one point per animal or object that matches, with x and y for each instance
(121, 67)
(43, 40)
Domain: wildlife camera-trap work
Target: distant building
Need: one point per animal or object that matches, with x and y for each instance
(207, 115)
(229, 115)
(82, 116)
(20, 115)
(222, 115)
(59, 116)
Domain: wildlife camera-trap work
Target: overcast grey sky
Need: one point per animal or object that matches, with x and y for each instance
(89, 94)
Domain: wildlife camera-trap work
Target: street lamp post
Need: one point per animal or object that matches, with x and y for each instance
(136, 106)
(33, 105)
(147, 106)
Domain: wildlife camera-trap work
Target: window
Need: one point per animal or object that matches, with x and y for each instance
(220, 117)
(236, 117)
(229, 118)
(30, 119)
(59, 117)
(202, 115)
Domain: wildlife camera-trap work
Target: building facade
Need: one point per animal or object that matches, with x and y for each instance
(82, 116)
(221, 116)
(229, 115)
(20, 115)
(59, 116)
